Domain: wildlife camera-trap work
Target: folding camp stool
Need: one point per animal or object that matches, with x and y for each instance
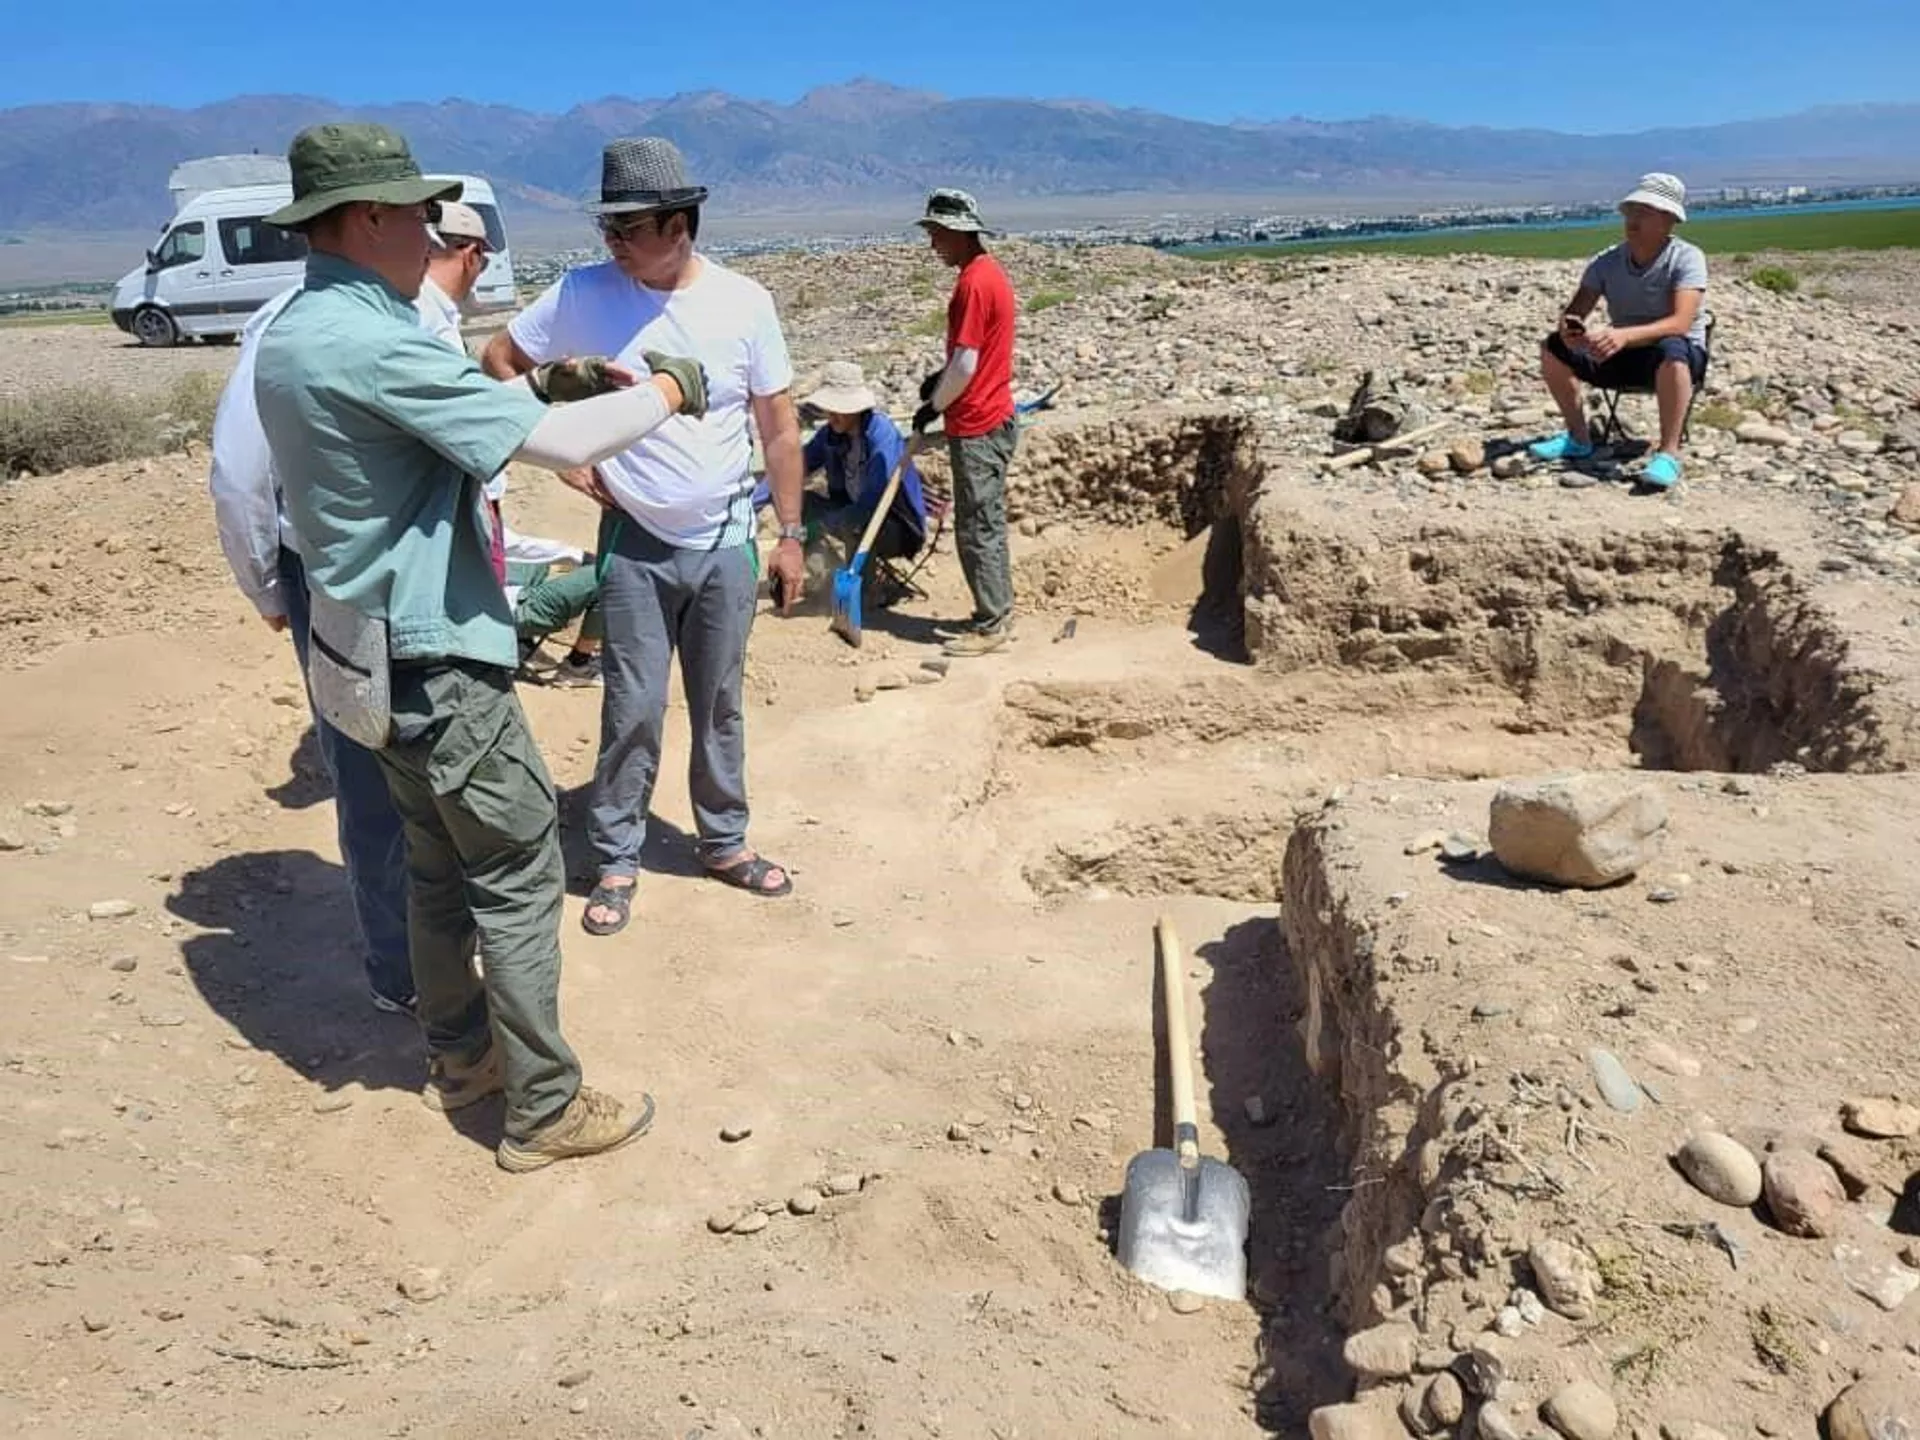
(1612, 430)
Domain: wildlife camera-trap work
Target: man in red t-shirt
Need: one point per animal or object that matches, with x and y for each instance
(974, 392)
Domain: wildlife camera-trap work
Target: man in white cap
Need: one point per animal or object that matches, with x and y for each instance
(679, 561)
(1655, 286)
(458, 254)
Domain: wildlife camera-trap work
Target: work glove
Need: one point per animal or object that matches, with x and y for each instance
(923, 418)
(931, 383)
(687, 374)
(580, 378)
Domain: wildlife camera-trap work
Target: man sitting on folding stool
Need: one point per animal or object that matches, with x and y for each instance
(1655, 287)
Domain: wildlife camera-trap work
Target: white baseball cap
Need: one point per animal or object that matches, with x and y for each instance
(1658, 190)
(459, 222)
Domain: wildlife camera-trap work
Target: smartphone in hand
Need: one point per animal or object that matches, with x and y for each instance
(1573, 325)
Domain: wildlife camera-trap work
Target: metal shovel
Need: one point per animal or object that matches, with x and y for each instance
(1183, 1217)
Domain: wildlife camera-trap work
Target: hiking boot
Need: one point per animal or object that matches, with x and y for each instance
(978, 642)
(592, 1124)
(954, 630)
(454, 1084)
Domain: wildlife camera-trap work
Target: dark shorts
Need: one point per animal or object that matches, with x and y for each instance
(1631, 369)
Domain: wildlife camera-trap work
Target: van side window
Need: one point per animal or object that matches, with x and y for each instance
(249, 240)
(184, 244)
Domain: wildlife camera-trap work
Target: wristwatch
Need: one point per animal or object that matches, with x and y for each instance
(793, 532)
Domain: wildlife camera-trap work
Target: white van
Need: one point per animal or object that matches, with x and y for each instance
(217, 260)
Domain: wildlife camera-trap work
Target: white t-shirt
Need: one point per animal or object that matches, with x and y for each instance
(689, 481)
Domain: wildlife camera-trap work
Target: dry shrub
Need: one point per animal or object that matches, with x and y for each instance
(54, 430)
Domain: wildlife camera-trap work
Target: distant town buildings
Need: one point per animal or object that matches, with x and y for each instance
(1176, 229)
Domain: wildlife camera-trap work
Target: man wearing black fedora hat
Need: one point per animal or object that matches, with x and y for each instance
(682, 571)
(382, 438)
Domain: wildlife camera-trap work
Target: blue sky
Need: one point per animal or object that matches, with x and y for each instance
(1567, 65)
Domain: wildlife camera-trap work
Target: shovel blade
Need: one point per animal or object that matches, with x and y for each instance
(846, 605)
(1185, 1227)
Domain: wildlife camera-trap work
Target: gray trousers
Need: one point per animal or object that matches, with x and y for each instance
(657, 599)
(483, 859)
(980, 520)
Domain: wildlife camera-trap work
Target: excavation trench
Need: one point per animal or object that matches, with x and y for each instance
(1476, 652)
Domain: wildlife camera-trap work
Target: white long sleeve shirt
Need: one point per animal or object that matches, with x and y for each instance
(439, 316)
(246, 492)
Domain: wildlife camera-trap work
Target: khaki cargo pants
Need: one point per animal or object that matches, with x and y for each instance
(484, 866)
(980, 520)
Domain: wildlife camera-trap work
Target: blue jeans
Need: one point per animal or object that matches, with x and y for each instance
(373, 847)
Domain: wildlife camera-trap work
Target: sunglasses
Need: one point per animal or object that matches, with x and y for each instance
(619, 227)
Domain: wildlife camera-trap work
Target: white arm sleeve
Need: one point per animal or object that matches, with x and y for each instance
(954, 379)
(589, 431)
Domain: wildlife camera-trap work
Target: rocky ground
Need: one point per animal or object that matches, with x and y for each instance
(1525, 1159)
(35, 358)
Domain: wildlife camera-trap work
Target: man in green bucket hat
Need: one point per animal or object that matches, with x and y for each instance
(382, 438)
(972, 394)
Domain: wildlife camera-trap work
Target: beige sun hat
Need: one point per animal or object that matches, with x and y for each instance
(1661, 192)
(843, 390)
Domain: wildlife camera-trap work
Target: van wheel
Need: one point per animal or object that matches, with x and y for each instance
(154, 328)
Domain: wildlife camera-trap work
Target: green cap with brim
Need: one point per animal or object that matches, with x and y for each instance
(336, 165)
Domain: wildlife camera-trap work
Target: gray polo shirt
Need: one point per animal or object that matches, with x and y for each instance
(1643, 294)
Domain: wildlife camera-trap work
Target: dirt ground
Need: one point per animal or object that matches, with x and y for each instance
(43, 357)
(184, 1193)
(228, 1213)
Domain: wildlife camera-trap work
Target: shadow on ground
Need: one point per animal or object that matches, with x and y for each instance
(280, 961)
(307, 781)
(1250, 1046)
(668, 850)
(1217, 620)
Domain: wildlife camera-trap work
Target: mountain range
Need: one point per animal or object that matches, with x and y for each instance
(99, 166)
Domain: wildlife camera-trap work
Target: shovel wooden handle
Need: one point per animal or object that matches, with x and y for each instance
(885, 507)
(1186, 1121)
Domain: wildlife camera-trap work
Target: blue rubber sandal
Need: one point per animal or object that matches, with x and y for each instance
(1560, 447)
(1662, 472)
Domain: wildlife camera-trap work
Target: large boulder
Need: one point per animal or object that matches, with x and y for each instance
(1883, 1404)
(1578, 830)
(1803, 1193)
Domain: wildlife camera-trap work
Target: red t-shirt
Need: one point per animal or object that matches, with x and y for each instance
(980, 317)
